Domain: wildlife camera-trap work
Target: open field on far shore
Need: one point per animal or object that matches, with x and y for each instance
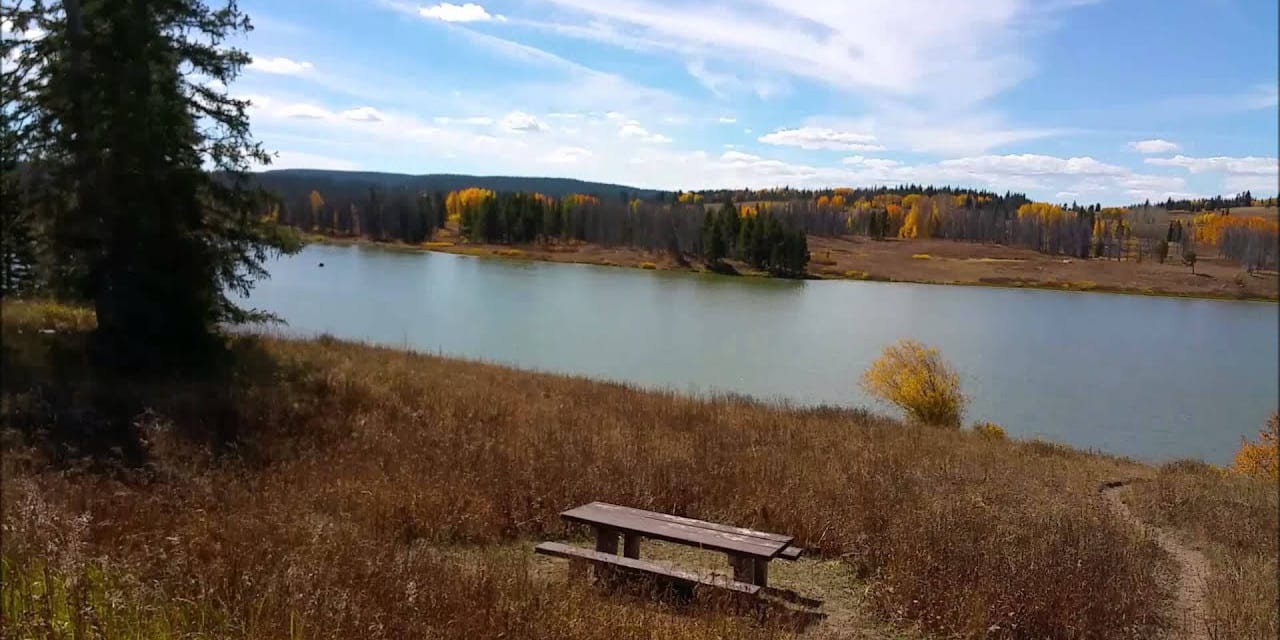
(933, 262)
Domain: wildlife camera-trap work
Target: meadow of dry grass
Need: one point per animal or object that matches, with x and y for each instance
(934, 261)
(373, 493)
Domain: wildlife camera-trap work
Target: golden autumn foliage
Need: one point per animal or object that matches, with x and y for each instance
(689, 198)
(990, 430)
(922, 217)
(468, 199)
(1044, 211)
(1261, 459)
(917, 380)
(1209, 226)
(579, 199)
(316, 202)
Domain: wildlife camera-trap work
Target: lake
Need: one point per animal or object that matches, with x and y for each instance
(1154, 378)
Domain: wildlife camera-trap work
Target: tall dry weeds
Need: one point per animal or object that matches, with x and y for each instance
(356, 469)
(1236, 521)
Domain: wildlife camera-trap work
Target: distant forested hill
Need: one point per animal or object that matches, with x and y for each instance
(291, 181)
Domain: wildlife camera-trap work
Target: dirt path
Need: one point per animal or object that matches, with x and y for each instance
(1193, 568)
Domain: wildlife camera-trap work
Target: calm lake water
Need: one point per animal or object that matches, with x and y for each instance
(1154, 378)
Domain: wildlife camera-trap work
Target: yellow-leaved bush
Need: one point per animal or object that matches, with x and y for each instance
(1261, 459)
(989, 430)
(917, 380)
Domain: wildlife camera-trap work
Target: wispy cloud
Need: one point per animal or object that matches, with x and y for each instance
(469, 12)
(281, 66)
(1156, 145)
(821, 138)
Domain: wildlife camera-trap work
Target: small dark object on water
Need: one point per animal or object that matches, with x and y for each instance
(322, 264)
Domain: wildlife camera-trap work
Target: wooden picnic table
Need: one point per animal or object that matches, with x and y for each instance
(749, 551)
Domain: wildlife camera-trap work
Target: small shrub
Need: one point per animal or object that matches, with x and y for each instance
(864, 275)
(1261, 459)
(990, 430)
(648, 265)
(921, 256)
(1189, 259)
(916, 379)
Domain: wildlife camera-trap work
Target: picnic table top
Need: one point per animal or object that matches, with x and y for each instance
(698, 533)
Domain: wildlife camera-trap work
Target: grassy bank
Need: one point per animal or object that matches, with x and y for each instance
(918, 261)
(331, 489)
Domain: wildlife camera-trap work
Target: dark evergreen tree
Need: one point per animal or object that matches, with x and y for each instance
(115, 106)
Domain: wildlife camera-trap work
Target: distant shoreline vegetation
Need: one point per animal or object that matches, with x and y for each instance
(714, 226)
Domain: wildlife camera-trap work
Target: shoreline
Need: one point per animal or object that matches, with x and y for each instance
(636, 259)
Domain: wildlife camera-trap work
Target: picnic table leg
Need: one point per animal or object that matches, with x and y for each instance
(742, 568)
(761, 576)
(631, 546)
(606, 540)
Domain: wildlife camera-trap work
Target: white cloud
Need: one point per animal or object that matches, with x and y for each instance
(521, 121)
(723, 83)
(302, 160)
(727, 119)
(473, 120)
(281, 66)
(820, 138)
(1063, 195)
(1249, 165)
(1156, 145)
(972, 134)
(363, 114)
(610, 146)
(1029, 164)
(957, 51)
(305, 111)
(870, 163)
(1251, 173)
(567, 155)
(448, 12)
(632, 129)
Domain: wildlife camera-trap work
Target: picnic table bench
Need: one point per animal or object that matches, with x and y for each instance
(749, 551)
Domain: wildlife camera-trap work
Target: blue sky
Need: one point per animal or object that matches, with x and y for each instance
(1110, 101)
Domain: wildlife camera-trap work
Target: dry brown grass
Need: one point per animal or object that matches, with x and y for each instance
(358, 469)
(953, 262)
(1235, 520)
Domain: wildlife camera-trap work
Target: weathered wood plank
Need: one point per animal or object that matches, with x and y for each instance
(559, 550)
(714, 526)
(732, 540)
(791, 553)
